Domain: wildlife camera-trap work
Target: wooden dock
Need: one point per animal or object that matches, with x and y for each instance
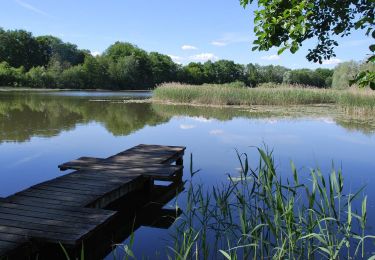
(69, 208)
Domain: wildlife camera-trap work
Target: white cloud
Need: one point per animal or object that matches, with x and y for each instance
(186, 127)
(188, 47)
(201, 119)
(176, 59)
(219, 43)
(332, 61)
(204, 57)
(31, 8)
(271, 57)
(216, 132)
(95, 53)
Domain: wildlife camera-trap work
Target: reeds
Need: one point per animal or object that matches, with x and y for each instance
(261, 215)
(226, 94)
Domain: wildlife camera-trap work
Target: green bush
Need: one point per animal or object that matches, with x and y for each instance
(39, 77)
(74, 77)
(11, 77)
(343, 73)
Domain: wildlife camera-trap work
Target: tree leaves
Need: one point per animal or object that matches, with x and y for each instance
(291, 22)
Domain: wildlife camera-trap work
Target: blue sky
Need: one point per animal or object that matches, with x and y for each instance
(194, 30)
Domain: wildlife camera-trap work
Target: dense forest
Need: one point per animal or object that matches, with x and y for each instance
(48, 62)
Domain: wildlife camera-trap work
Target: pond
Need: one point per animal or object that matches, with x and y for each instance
(40, 130)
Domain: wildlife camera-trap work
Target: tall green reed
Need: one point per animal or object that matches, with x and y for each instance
(353, 100)
(261, 215)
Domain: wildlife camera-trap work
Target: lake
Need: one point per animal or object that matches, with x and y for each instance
(40, 130)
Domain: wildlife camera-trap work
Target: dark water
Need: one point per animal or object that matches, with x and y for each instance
(41, 130)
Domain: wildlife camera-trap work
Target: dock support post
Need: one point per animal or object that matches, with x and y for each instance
(179, 161)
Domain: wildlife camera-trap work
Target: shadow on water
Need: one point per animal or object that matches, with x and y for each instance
(27, 115)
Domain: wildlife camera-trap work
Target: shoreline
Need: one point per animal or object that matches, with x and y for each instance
(10, 89)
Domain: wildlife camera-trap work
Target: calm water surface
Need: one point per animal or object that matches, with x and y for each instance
(38, 131)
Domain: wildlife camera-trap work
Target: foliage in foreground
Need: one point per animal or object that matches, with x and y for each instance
(262, 215)
(287, 24)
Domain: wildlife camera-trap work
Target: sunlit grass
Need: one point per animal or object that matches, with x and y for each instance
(225, 94)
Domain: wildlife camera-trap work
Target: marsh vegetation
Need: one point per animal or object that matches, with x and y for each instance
(262, 214)
(267, 94)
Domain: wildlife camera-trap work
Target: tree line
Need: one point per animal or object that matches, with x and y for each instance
(48, 62)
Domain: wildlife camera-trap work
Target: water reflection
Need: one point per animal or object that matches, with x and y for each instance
(24, 115)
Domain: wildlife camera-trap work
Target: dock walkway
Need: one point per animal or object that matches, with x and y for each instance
(68, 208)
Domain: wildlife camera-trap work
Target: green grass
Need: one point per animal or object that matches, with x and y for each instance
(260, 215)
(226, 94)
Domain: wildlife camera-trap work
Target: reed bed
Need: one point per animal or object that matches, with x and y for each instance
(260, 215)
(226, 94)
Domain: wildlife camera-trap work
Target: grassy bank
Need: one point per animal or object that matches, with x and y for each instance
(232, 94)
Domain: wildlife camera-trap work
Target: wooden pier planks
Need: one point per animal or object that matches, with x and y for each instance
(147, 160)
(56, 211)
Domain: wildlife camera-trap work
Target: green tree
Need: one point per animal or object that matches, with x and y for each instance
(304, 77)
(252, 76)
(271, 73)
(19, 48)
(39, 77)
(11, 77)
(96, 73)
(163, 68)
(287, 24)
(210, 72)
(73, 77)
(125, 73)
(127, 58)
(326, 75)
(53, 48)
(344, 73)
(228, 71)
(193, 73)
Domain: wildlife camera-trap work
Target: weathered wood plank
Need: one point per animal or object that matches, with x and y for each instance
(47, 222)
(15, 238)
(93, 184)
(77, 187)
(28, 200)
(62, 199)
(108, 165)
(75, 232)
(64, 216)
(66, 190)
(40, 204)
(63, 194)
(7, 244)
(42, 235)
